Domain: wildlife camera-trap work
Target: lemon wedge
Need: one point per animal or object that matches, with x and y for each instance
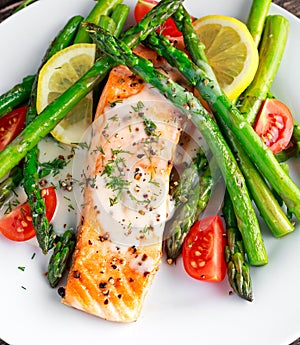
(57, 75)
(230, 50)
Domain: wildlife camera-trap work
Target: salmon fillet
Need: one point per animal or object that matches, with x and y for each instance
(126, 200)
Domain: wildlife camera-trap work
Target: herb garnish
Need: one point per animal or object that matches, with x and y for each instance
(53, 167)
(138, 108)
(150, 127)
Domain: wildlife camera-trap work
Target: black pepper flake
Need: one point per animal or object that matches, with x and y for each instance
(146, 273)
(119, 295)
(61, 291)
(76, 274)
(90, 242)
(131, 280)
(102, 285)
(144, 257)
(106, 301)
(114, 266)
(104, 237)
(43, 182)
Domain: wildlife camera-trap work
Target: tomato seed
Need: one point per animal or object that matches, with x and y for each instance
(194, 264)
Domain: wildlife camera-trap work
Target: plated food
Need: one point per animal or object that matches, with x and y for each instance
(118, 268)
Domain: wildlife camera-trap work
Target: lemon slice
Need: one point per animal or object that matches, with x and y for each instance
(57, 75)
(230, 50)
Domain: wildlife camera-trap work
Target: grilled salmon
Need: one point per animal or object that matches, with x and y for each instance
(126, 199)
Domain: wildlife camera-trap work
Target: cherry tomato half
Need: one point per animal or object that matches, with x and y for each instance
(144, 6)
(203, 250)
(11, 125)
(17, 225)
(274, 124)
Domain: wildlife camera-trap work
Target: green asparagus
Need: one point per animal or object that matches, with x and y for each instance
(187, 182)
(200, 74)
(56, 111)
(193, 187)
(8, 185)
(180, 224)
(107, 23)
(190, 105)
(102, 7)
(16, 96)
(256, 19)
(238, 270)
(271, 50)
(119, 16)
(61, 254)
(265, 201)
(45, 233)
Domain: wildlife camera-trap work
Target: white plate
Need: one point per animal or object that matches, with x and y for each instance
(177, 309)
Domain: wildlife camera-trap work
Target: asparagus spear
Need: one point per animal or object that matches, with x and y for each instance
(107, 23)
(102, 7)
(60, 256)
(188, 180)
(56, 111)
(119, 16)
(201, 75)
(238, 270)
(256, 19)
(267, 204)
(16, 96)
(190, 106)
(45, 233)
(9, 184)
(271, 51)
(180, 224)
(196, 196)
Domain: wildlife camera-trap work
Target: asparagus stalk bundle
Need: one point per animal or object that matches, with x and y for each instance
(190, 105)
(55, 111)
(200, 74)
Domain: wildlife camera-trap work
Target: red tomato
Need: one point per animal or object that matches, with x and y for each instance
(17, 225)
(11, 125)
(203, 250)
(274, 125)
(144, 6)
